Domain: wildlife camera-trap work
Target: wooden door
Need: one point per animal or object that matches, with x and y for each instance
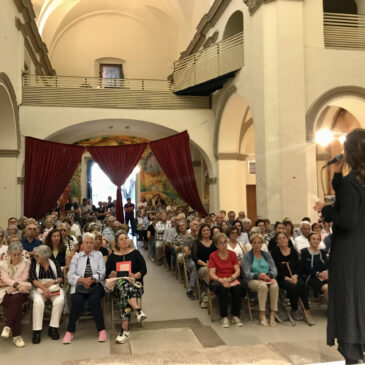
(251, 202)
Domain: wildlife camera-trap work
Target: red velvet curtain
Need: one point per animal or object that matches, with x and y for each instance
(118, 163)
(173, 154)
(49, 167)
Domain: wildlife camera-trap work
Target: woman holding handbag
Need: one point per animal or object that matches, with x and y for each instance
(14, 289)
(126, 268)
(46, 277)
(86, 275)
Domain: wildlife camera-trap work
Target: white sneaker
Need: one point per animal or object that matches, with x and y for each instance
(18, 341)
(123, 336)
(225, 322)
(141, 316)
(6, 332)
(237, 321)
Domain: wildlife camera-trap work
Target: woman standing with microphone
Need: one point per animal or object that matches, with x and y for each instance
(346, 307)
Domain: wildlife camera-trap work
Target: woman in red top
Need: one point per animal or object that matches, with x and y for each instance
(224, 278)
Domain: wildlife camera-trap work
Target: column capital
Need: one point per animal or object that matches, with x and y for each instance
(253, 5)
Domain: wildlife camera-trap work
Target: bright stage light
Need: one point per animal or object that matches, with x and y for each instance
(342, 138)
(324, 137)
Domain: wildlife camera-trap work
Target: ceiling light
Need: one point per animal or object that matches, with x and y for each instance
(324, 137)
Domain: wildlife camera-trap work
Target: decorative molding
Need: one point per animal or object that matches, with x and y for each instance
(33, 43)
(5, 80)
(9, 153)
(232, 156)
(20, 180)
(207, 22)
(212, 181)
(211, 40)
(253, 5)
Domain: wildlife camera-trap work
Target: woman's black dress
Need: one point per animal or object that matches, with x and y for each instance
(346, 307)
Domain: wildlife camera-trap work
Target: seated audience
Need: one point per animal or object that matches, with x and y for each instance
(225, 279)
(231, 218)
(160, 228)
(30, 242)
(14, 289)
(46, 277)
(60, 254)
(3, 244)
(260, 271)
(289, 229)
(182, 237)
(215, 230)
(151, 236)
(12, 221)
(190, 266)
(98, 245)
(278, 227)
(129, 286)
(234, 245)
(86, 275)
(247, 225)
(289, 277)
(242, 236)
(315, 265)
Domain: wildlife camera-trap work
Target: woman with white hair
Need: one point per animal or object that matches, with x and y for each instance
(14, 275)
(46, 276)
(86, 274)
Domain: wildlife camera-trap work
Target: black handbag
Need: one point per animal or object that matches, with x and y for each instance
(80, 289)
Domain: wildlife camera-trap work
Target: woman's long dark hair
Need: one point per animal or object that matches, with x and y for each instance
(355, 153)
(48, 241)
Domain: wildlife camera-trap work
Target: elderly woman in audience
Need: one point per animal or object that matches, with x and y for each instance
(289, 277)
(260, 271)
(247, 224)
(225, 279)
(60, 254)
(129, 265)
(215, 230)
(278, 227)
(46, 277)
(315, 265)
(233, 243)
(86, 275)
(14, 289)
(12, 230)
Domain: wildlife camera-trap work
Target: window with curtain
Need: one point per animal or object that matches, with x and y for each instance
(111, 71)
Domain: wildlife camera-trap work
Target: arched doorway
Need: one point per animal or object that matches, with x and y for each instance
(334, 114)
(9, 150)
(140, 131)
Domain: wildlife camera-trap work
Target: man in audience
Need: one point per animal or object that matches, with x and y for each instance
(301, 241)
(168, 239)
(161, 227)
(29, 242)
(218, 219)
(101, 211)
(241, 215)
(231, 218)
(12, 221)
(129, 214)
(108, 231)
(194, 229)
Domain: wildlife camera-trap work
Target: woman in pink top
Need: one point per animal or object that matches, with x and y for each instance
(14, 290)
(225, 278)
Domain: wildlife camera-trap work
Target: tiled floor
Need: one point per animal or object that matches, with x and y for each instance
(165, 300)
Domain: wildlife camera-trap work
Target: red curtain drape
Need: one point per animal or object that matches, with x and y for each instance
(118, 163)
(173, 154)
(49, 167)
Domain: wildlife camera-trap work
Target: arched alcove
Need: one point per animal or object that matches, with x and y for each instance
(234, 25)
(9, 126)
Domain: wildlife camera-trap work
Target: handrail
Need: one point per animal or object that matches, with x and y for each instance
(218, 59)
(97, 92)
(345, 31)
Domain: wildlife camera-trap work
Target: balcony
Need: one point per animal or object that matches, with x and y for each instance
(344, 31)
(208, 69)
(93, 92)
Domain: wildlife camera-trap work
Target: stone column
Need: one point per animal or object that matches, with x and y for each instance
(286, 164)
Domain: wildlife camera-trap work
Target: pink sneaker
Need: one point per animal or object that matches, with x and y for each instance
(102, 336)
(67, 338)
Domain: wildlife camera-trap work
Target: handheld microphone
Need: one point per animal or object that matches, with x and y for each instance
(337, 158)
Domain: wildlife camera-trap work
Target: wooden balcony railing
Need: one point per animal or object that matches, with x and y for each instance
(345, 31)
(93, 92)
(207, 64)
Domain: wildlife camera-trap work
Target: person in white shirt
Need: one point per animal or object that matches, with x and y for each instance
(301, 241)
(161, 226)
(233, 243)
